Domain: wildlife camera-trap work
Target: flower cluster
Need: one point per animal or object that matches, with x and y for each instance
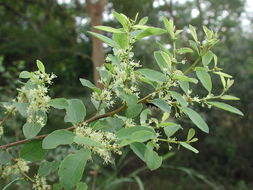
(41, 184)
(20, 166)
(105, 139)
(35, 93)
(105, 96)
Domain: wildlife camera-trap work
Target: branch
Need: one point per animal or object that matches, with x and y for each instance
(94, 118)
(192, 66)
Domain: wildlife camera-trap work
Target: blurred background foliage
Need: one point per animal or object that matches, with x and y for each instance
(55, 32)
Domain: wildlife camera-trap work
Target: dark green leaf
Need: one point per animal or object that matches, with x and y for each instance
(5, 157)
(47, 167)
(32, 151)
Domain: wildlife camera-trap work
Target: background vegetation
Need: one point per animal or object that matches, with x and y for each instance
(56, 33)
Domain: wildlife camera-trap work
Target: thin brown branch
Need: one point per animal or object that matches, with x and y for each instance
(94, 118)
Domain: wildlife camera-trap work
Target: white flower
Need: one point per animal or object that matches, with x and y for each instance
(41, 184)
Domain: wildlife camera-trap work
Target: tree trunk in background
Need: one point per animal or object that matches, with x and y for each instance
(95, 11)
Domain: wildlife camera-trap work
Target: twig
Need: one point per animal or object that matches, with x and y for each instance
(94, 118)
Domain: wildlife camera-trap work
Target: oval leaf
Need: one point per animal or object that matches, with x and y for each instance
(75, 112)
(32, 151)
(57, 138)
(196, 119)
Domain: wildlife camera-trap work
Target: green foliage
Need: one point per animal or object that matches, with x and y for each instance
(133, 124)
(72, 167)
(32, 151)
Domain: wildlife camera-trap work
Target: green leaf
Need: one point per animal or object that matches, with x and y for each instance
(207, 58)
(86, 141)
(25, 75)
(32, 151)
(190, 134)
(105, 39)
(196, 119)
(180, 99)
(205, 79)
(226, 107)
(169, 25)
(184, 50)
(58, 137)
(22, 108)
(194, 46)
(139, 149)
(143, 21)
(171, 128)
(193, 33)
(90, 85)
(121, 39)
(81, 186)
(163, 63)
(122, 19)
(229, 97)
(161, 104)
(59, 103)
(75, 112)
(30, 130)
(142, 136)
(72, 168)
(209, 33)
(126, 133)
(109, 29)
(47, 167)
(40, 66)
(189, 147)
(184, 86)
(223, 74)
(57, 187)
(149, 31)
(5, 157)
(153, 75)
(133, 108)
(186, 79)
(152, 159)
(144, 115)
